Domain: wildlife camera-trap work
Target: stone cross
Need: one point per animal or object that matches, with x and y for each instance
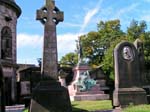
(50, 16)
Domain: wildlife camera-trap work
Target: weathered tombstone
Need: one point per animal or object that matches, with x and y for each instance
(128, 80)
(49, 95)
(139, 46)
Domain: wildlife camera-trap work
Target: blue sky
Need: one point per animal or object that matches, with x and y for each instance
(80, 17)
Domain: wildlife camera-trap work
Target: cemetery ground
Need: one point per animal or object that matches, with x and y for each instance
(103, 106)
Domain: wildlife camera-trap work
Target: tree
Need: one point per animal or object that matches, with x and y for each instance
(95, 44)
(136, 30)
(109, 32)
(147, 49)
(98, 45)
(69, 60)
(92, 50)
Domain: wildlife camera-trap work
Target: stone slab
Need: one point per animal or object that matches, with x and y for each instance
(90, 92)
(50, 96)
(129, 96)
(15, 108)
(89, 97)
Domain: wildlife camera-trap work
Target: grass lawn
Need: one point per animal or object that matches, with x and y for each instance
(88, 106)
(83, 106)
(139, 108)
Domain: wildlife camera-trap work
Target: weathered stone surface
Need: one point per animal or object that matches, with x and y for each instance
(9, 12)
(139, 46)
(50, 16)
(77, 94)
(128, 78)
(49, 95)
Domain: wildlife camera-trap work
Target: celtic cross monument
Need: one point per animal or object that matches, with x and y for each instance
(50, 16)
(49, 95)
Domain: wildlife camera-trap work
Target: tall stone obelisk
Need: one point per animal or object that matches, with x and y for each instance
(49, 95)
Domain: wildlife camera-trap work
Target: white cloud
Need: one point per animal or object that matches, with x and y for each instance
(66, 24)
(90, 14)
(24, 40)
(66, 43)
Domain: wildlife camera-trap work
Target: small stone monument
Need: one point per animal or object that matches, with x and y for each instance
(128, 78)
(83, 87)
(62, 78)
(49, 95)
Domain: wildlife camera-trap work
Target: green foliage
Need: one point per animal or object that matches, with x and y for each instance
(98, 46)
(92, 49)
(136, 30)
(109, 31)
(111, 34)
(95, 44)
(147, 49)
(69, 59)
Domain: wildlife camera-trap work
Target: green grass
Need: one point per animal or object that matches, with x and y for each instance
(26, 110)
(80, 106)
(139, 108)
(88, 106)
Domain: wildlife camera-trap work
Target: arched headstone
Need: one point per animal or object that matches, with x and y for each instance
(128, 78)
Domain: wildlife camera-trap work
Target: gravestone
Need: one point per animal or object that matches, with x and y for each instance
(139, 46)
(140, 50)
(49, 95)
(128, 78)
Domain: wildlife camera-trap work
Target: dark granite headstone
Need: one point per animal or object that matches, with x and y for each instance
(139, 46)
(49, 95)
(128, 78)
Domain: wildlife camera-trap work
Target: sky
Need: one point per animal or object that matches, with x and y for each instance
(80, 17)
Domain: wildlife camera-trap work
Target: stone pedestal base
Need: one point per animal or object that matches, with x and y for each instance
(50, 96)
(94, 94)
(89, 97)
(147, 89)
(129, 96)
